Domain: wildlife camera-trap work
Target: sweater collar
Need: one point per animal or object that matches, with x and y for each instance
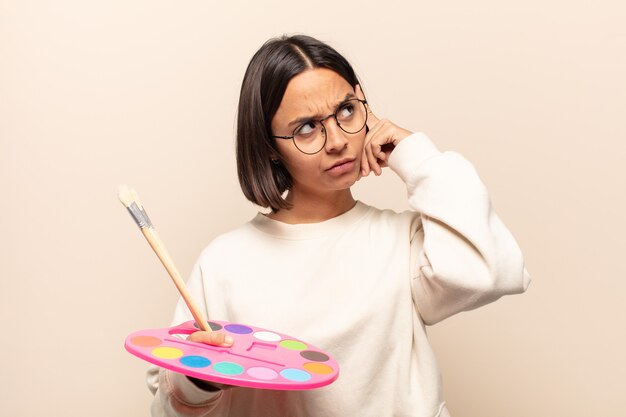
(309, 230)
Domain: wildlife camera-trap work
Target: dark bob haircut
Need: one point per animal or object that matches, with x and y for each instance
(262, 175)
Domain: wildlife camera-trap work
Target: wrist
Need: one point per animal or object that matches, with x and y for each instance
(410, 154)
(401, 135)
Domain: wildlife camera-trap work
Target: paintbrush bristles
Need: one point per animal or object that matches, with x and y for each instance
(130, 200)
(127, 195)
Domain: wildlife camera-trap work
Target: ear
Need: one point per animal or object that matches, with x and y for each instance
(359, 92)
(361, 96)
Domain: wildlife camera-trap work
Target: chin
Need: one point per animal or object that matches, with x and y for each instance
(348, 181)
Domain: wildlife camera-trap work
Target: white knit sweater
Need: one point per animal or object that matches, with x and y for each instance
(361, 286)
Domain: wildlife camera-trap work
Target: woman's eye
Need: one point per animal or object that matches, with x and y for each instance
(345, 111)
(306, 129)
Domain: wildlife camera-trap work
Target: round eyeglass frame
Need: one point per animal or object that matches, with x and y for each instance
(334, 116)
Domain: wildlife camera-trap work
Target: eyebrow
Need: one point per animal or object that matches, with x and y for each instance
(303, 119)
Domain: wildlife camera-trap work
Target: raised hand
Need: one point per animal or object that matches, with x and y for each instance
(382, 138)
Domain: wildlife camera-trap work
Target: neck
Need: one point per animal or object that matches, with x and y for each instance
(314, 208)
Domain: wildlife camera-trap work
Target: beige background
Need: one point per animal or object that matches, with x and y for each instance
(94, 94)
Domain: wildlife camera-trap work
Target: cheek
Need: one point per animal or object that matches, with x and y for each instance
(297, 163)
(302, 167)
(287, 151)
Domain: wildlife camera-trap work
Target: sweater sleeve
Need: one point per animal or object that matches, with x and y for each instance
(462, 254)
(174, 394)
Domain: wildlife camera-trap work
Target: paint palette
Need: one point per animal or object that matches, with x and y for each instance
(259, 358)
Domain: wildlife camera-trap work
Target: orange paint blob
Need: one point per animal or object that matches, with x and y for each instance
(145, 341)
(318, 368)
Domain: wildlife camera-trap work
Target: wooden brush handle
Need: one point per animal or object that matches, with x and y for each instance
(158, 247)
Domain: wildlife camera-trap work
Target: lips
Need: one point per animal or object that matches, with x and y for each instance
(341, 162)
(341, 167)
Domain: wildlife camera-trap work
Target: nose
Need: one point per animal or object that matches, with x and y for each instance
(335, 138)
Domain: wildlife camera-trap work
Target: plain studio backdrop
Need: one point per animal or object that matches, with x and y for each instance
(95, 94)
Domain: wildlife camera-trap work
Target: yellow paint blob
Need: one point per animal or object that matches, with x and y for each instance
(167, 352)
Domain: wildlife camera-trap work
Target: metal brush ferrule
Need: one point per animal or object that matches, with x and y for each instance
(140, 216)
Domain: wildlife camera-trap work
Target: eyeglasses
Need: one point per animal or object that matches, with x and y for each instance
(310, 137)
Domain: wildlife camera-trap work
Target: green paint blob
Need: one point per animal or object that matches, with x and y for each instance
(293, 345)
(228, 368)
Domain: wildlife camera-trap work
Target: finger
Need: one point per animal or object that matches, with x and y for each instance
(362, 171)
(377, 137)
(211, 338)
(371, 158)
(383, 139)
(386, 150)
(374, 132)
(380, 145)
(365, 167)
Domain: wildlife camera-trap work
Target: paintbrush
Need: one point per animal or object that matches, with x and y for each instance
(129, 198)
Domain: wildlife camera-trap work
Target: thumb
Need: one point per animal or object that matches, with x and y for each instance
(211, 338)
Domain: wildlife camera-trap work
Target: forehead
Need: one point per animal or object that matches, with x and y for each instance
(314, 92)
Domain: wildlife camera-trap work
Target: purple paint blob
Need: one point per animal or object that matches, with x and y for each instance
(238, 329)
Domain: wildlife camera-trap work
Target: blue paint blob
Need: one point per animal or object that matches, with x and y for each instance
(195, 361)
(297, 375)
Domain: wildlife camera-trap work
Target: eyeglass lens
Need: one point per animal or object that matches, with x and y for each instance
(351, 117)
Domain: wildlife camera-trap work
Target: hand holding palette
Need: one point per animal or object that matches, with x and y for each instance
(259, 358)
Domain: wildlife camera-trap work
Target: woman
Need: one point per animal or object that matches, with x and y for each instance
(359, 282)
